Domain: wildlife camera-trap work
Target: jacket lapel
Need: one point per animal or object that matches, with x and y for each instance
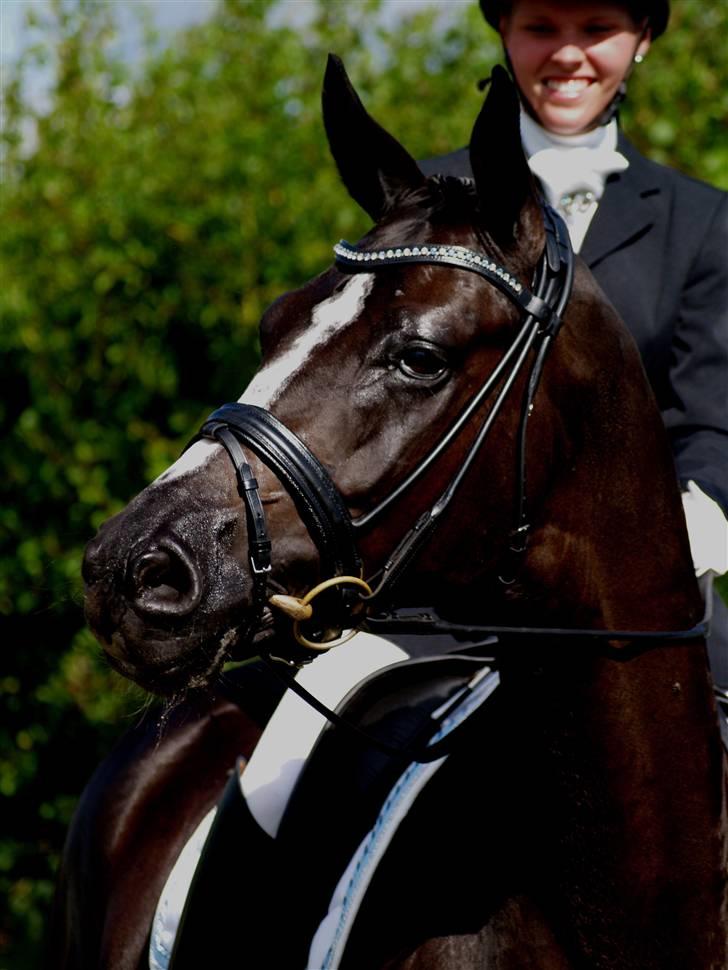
(628, 208)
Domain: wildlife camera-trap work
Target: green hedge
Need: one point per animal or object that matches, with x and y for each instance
(148, 217)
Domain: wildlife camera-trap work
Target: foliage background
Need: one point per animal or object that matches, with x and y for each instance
(148, 217)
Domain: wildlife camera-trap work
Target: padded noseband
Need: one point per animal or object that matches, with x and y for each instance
(304, 477)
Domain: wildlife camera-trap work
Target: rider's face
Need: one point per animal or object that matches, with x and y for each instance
(569, 57)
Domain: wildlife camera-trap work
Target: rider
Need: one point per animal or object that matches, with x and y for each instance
(655, 240)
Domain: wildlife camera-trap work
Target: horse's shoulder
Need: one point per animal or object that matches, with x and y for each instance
(142, 802)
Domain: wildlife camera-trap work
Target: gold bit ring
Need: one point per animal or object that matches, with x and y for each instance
(312, 594)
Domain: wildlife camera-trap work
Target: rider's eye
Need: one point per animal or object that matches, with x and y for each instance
(423, 362)
(600, 28)
(538, 29)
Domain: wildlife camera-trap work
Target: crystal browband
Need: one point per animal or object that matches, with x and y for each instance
(359, 260)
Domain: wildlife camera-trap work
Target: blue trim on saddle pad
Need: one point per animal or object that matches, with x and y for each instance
(329, 942)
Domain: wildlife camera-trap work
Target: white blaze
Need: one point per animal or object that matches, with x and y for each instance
(327, 319)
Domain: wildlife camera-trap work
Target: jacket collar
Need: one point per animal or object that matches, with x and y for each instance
(628, 208)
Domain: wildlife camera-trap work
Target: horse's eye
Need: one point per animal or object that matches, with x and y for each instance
(422, 361)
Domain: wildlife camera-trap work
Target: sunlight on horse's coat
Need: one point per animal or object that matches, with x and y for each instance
(328, 319)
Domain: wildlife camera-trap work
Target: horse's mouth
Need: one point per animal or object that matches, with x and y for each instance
(196, 669)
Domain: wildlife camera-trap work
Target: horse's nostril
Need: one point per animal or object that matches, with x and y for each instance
(164, 580)
(152, 569)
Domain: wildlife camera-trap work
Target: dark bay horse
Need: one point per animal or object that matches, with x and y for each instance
(583, 825)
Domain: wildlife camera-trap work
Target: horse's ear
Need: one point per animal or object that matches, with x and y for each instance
(507, 192)
(373, 165)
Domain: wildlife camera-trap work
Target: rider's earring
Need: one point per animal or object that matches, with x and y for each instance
(638, 58)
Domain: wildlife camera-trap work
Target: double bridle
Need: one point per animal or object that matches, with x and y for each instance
(349, 599)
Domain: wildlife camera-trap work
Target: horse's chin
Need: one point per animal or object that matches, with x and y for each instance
(190, 668)
(161, 660)
(169, 666)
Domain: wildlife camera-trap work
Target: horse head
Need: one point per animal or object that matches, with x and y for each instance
(375, 381)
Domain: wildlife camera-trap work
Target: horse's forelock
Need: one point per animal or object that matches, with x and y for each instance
(445, 201)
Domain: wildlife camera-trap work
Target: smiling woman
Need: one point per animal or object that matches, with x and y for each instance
(570, 59)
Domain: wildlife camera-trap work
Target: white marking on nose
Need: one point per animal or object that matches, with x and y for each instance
(192, 459)
(328, 319)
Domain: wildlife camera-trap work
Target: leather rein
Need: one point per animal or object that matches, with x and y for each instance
(350, 601)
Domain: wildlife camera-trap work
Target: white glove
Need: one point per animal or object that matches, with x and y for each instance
(707, 531)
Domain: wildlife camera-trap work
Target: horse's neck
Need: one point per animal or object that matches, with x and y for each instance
(612, 542)
(625, 565)
(623, 766)
(627, 759)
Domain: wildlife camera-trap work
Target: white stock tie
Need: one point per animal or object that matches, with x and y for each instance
(573, 170)
(567, 171)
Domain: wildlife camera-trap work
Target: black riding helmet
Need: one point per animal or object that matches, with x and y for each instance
(656, 11)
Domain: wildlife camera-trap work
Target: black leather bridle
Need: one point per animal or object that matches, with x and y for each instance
(318, 501)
